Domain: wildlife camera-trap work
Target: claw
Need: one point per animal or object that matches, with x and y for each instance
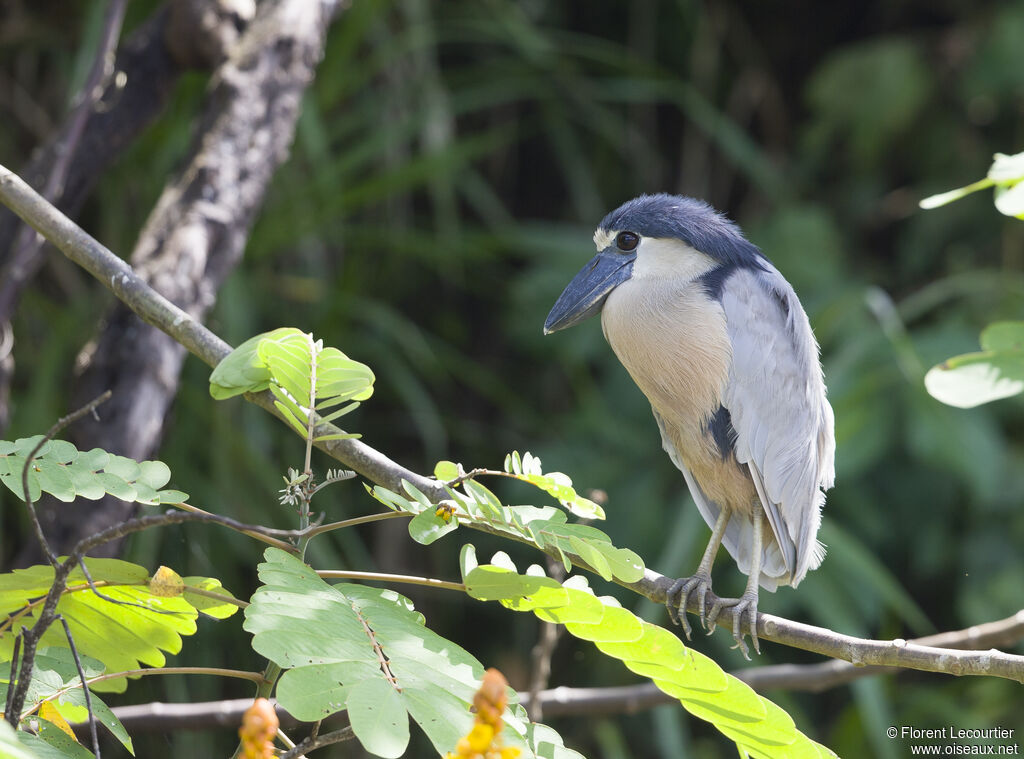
(745, 604)
(678, 598)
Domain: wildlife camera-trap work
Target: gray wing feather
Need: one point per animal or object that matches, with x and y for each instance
(783, 421)
(739, 533)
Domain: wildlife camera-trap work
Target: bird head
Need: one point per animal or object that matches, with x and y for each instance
(657, 236)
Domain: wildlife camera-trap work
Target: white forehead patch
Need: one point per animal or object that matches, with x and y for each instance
(603, 238)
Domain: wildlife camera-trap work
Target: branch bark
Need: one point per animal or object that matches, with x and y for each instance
(114, 110)
(373, 465)
(196, 235)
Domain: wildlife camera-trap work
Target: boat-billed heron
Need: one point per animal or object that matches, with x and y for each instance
(717, 340)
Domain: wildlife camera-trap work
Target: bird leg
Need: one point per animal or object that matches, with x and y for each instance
(678, 596)
(747, 603)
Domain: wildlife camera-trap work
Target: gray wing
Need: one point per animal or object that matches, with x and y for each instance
(739, 533)
(776, 397)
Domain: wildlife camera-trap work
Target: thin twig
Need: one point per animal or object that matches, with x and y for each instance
(193, 591)
(283, 737)
(339, 476)
(262, 535)
(429, 582)
(360, 520)
(311, 743)
(85, 689)
(13, 675)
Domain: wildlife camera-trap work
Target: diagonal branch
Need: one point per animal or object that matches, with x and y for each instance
(375, 466)
(155, 309)
(196, 233)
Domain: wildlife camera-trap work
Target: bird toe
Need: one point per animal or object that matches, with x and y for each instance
(744, 606)
(677, 599)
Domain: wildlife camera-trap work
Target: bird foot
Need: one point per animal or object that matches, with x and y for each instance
(678, 598)
(744, 605)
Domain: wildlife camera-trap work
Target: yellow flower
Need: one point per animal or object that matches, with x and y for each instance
(480, 737)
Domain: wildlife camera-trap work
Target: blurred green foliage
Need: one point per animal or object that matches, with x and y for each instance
(451, 161)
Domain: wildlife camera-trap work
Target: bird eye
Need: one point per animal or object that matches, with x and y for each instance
(627, 241)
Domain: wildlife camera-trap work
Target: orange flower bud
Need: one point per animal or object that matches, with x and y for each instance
(259, 726)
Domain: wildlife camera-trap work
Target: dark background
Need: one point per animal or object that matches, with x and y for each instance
(450, 164)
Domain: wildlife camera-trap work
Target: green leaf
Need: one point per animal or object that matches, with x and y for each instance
(616, 625)
(426, 527)
(378, 717)
(289, 359)
(467, 560)
(53, 479)
(171, 496)
(758, 726)
(156, 474)
(66, 473)
(329, 638)
(11, 745)
(1009, 200)
(211, 607)
(339, 376)
(527, 468)
(592, 556)
(582, 607)
(56, 671)
(591, 545)
(492, 583)
(242, 370)
(72, 707)
(974, 378)
(417, 494)
(54, 742)
(284, 358)
(484, 498)
(122, 636)
(1007, 168)
(289, 416)
(391, 499)
(446, 471)
(338, 436)
(338, 412)
(1003, 336)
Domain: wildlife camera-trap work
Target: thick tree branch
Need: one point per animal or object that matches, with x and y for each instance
(112, 111)
(373, 465)
(24, 257)
(196, 234)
